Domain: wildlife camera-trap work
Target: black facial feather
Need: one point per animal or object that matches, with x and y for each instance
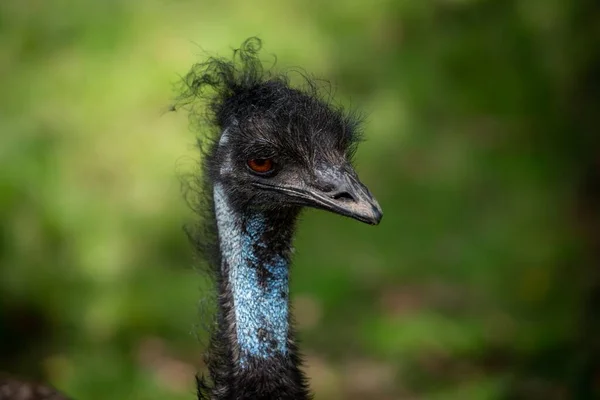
(265, 117)
(262, 106)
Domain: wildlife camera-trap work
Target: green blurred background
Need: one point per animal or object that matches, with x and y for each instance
(482, 282)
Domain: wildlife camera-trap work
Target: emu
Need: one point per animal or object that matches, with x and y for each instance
(273, 150)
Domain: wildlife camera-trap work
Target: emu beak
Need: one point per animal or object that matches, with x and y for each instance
(331, 189)
(340, 191)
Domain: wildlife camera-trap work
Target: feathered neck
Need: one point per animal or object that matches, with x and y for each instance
(253, 352)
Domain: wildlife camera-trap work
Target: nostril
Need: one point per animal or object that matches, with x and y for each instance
(342, 196)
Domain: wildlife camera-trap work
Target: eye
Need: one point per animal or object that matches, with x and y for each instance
(261, 165)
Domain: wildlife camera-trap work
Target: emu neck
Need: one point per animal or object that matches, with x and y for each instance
(257, 275)
(254, 303)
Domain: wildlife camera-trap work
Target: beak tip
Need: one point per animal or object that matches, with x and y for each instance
(377, 216)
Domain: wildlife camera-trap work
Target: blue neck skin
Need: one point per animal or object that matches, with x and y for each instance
(258, 280)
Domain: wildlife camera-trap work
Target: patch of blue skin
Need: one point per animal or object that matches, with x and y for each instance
(261, 311)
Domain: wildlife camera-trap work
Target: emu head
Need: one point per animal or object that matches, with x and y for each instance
(277, 147)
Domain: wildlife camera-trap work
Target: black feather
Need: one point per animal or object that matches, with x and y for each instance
(220, 92)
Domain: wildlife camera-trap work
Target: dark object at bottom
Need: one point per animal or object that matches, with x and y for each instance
(14, 389)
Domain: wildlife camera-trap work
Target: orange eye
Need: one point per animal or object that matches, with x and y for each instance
(261, 165)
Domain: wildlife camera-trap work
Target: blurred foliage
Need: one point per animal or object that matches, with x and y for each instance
(480, 283)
